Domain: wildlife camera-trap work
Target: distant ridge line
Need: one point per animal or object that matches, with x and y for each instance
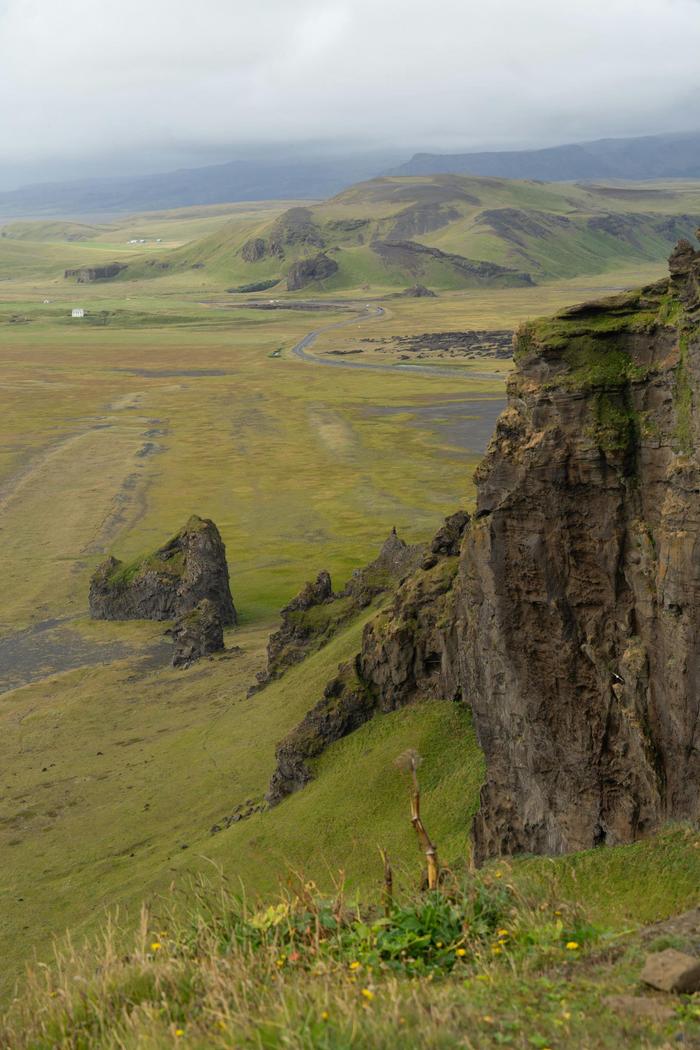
(648, 157)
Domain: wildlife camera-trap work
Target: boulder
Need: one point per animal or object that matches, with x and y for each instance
(672, 971)
(197, 633)
(169, 582)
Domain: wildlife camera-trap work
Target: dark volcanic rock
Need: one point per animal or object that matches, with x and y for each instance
(254, 250)
(362, 687)
(580, 582)
(304, 624)
(410, 650)
(197, 633)
(305, 271)
(86, 274)
(570, 621)
(345, 706)
(414, 256)
(395, 560)
(169, 582)
(316, 613)
(417, 291)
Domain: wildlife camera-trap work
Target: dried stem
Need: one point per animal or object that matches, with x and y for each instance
(388, 892)
(409, 762)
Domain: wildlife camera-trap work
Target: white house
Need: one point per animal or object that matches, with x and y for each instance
(78, 312)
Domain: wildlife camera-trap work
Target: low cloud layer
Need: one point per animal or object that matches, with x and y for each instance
(79, 77)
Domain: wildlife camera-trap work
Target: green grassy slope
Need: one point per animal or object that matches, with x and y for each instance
(114, 775)
(546, 230)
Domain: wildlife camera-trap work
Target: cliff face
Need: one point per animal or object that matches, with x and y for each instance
(579, 582)
(566, 612)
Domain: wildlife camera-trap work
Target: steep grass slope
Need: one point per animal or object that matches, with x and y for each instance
(114, 775)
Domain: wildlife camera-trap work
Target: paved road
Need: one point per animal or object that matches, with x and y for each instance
(301, 351)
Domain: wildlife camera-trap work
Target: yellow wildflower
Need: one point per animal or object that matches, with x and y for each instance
(498, 874)
(367, 994)
(355, 965)
(461, 952)
(156, 946)
(571, 946)
(503, 933)
(487, 1019)
(179, 1032)
(325, 1015)
(438, 944)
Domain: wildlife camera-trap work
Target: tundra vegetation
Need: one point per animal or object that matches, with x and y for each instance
(122, 775)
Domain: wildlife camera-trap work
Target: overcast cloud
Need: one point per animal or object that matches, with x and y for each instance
(82, 76)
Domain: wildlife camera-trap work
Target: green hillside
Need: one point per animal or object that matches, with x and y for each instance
(51, 231)
(452, 232)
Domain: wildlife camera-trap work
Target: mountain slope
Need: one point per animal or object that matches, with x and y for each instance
(650, 157)
(448, 232)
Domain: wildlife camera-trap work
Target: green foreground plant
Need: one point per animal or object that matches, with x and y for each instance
(476, 964)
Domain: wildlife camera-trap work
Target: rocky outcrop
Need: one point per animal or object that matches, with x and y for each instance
(294, 229)
(381, 676)
(346, 705)
(311, 618)
(417, 291)
(254, 250)
(307, 621)
(87, 274)
(168, 583)
(396, 559)
(414, 256)
(410, 650)
(197, 633)
(306, 271)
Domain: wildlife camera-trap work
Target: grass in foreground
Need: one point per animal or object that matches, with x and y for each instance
(489, 960)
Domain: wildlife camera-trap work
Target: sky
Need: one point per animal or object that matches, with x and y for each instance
(146, 79)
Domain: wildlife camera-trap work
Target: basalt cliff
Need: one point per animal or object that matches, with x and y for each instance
(565, 611)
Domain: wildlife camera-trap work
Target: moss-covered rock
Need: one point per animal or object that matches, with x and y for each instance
(168, 582)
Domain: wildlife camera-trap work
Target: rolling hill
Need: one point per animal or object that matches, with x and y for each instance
(444, 231)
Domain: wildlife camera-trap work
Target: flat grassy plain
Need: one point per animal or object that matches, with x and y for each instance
(114, 766)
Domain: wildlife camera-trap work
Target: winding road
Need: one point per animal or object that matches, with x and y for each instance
(366, 312)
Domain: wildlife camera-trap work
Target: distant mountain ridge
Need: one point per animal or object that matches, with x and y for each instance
(298, 177)
(285, 178)
(650, 157)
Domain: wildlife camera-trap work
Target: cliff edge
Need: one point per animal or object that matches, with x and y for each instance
(579, 582)
(565, 612)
